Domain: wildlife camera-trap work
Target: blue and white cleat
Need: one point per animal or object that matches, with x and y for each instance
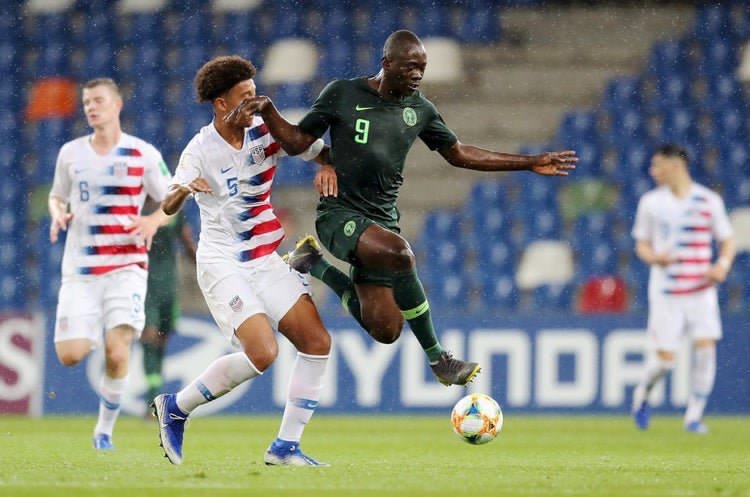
(283, 453)
(696, 427)
(171, 426)
(102, 441)
(642, 416)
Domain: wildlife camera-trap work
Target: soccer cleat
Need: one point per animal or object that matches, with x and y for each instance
(283, 453)
(171, 426)
(696, 427)
(102, 441)
(451, 371)
(306, 253)
(642, 416)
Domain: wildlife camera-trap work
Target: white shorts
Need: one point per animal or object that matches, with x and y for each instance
(86, 307)
(671, 316)
(233, 293)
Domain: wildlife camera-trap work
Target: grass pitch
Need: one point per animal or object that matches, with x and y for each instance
(383, 456)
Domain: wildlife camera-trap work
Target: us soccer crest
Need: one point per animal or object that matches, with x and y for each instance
(236, 303)
(258, 154)
(120, 169)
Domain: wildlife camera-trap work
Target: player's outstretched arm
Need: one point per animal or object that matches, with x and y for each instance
(289, 136)
(480, 159)
(178, 193)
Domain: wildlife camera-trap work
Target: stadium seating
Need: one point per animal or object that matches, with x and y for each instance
(446, 63)
(279, 70)
(621, 93)
(553, 298)
(499, 292)
(545, 262)
(451, 290)
(686, 90)
(603, 294)
(479, 24)
(712, 21)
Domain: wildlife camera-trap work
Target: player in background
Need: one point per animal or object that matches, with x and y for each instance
(373, 122)
(675, 226)
(100, 184)
(162, 298)
(228, 167)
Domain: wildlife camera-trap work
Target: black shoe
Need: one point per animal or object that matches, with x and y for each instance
(451, 371)
(306, 253)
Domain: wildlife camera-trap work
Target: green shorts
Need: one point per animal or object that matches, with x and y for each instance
(162, 310)
(339, 231)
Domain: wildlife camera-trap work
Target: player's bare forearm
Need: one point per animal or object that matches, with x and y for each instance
(480, 159)
(60, 217)
(324, 157)
(56, 206)
(178, 193)
(727, 251)
(160, 218)
(289, 136)
(646, 253)
(720, 268)
(176, 196)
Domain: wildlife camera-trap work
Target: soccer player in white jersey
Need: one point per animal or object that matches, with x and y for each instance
(228, 167)
(101, 182)
(675, 226)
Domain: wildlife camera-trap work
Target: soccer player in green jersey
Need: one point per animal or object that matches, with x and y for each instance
(373, 122)
(162, 305)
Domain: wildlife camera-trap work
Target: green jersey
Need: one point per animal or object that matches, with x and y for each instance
(370, 138)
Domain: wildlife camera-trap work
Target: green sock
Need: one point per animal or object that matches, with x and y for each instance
(411, 299)
(154, 382)
(153, 356)
(341, 284)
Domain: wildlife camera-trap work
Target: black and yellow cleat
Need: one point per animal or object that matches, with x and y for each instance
(306, 253)
(451, 371)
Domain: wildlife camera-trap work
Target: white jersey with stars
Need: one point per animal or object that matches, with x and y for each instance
(103, 192)
(237, 219)
(684, 228)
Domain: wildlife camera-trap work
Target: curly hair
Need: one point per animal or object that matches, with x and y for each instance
(220, 74)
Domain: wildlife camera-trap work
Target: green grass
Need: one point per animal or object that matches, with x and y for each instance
(383, 456)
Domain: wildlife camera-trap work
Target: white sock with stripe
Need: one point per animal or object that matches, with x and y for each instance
(305, 385)
(703, 374)
(655, 370)
(110, 395)
(220, 377)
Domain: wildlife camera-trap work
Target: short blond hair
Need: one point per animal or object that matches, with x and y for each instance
(108, 82)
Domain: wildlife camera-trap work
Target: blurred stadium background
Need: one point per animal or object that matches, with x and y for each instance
(608, 79)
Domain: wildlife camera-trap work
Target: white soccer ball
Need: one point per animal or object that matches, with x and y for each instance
(477, 418)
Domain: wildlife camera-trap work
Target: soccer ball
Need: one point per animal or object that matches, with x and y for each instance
(477, 418)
